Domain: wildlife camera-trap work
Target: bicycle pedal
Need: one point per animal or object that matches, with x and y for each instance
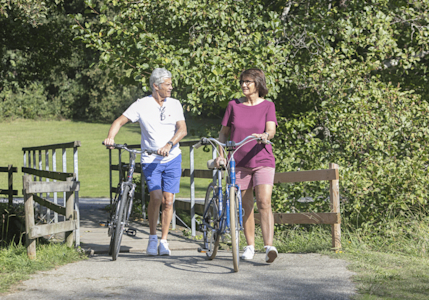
(202, 250)
(131, 232)
(102, 223)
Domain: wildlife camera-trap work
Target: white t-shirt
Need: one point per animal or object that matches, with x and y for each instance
(156, 133)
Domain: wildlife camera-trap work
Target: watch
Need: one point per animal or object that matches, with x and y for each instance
(170, 143)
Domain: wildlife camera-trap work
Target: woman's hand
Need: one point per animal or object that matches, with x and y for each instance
(219, 161)
(262, 136)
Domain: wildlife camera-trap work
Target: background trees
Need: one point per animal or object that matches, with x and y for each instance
(349, 80)
(45, 73)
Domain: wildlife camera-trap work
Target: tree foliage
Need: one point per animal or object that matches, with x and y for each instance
(45, 73)
(349, 80)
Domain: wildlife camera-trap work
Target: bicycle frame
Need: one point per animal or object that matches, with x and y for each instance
(129, 182)
(224, 208)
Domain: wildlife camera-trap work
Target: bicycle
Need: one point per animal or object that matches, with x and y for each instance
(223, 216)
(123, 203)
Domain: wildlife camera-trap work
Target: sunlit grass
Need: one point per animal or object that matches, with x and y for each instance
(93, 157)
(390, 261)
(15, 265)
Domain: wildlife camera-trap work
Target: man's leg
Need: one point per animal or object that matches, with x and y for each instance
(170, 185)
(153, 210)
(167, 213)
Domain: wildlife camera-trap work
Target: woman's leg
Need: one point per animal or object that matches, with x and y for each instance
(263, 200)
(248, 217)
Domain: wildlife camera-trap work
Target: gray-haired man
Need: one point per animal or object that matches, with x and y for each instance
(162, 127)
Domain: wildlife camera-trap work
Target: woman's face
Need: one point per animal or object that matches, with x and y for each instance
(248, 86)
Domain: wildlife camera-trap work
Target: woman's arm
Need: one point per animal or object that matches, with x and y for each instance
(270, 131)
(223, 137)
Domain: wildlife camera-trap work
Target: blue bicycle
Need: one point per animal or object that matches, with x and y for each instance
(223, 213)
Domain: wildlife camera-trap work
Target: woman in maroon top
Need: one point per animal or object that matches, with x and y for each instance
(253, 115)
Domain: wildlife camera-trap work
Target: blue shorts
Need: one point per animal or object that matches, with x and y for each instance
(165, 177)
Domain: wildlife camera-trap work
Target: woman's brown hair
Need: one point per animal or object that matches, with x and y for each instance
(259, 77)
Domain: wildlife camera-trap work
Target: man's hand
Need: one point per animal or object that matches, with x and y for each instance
(109, 141)
(164, 151)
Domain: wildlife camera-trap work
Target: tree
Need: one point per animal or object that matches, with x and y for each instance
(45, 73)
(348, 79)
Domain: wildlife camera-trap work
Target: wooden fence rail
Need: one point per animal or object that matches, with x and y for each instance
(48, 180)
(71, 223)
(121, 167)
(9, 191)
(332, 218)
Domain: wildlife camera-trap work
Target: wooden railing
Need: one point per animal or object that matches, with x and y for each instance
(9, 191)
(71, 223)
(121, 167)
(333, 218)
(63, 182)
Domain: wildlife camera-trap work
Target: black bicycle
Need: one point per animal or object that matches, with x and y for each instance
(123, 203)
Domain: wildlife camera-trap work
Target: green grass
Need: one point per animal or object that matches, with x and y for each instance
(15, 265)
(389, 264)
(93, 157)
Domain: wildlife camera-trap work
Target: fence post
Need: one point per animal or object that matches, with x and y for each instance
(191, 160)
(10, 183)
(54, 168)
(29, 217)
(334, 195)
(69, 215)
(76, 198)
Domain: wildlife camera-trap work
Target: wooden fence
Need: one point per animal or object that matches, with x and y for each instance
(63, 182)
(121, 167)
(333, 218)
(9, 191)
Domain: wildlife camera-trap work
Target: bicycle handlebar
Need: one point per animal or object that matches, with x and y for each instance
(206, 141)
(124, 147)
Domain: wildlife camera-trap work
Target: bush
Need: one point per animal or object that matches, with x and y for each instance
(379, 137)
(27, 103)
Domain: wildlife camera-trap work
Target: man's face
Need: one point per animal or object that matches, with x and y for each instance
(165, 88)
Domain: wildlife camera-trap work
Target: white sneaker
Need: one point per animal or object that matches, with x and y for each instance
(249, 252)
(270, 254)
(163, 248)
(152, 247)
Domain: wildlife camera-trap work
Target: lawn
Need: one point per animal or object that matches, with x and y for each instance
(93, 158)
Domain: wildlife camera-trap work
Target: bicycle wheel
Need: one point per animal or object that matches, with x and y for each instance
(112, 218)
(234, 227)
(120, 221)
(211, 231)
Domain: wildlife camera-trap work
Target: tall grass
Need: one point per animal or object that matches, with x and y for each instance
(15, 265)
(391, 260)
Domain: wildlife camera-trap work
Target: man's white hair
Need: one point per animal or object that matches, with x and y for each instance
(158, 76)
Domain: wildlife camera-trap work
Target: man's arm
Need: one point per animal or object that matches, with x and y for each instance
(114, 129)
(181, 132)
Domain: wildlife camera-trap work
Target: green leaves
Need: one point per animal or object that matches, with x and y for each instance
(349, 82)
